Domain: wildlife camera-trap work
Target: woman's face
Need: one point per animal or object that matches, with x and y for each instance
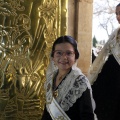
(64, 56)
(118, 14)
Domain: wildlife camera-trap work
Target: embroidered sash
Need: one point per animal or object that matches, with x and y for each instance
(56, 112)
(54, 109)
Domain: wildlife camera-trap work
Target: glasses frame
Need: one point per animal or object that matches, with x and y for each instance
(65, 53)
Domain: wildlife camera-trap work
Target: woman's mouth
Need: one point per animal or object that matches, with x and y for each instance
(63, 63)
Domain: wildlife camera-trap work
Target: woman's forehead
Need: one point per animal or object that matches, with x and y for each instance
(64, 46)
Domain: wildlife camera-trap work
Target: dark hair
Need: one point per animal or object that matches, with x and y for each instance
(118, 5)
(66, 39)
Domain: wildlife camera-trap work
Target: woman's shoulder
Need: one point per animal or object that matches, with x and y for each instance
(114, 33)
(80, 77)
(77, 72)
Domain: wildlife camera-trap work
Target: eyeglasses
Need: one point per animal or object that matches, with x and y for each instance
(59, 53)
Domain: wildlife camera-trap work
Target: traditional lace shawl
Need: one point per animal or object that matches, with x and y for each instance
(111, 47)
(69, 90)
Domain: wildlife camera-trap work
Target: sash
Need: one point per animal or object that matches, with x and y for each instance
(56, 112)
(54, 109)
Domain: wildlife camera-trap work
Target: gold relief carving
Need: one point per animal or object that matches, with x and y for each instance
(27, 29)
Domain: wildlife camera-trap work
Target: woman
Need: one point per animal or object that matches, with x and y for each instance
(104, 76)
(68, 92)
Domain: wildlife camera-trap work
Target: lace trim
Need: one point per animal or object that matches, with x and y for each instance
(74, 93)
(97, 65)
(69, 90)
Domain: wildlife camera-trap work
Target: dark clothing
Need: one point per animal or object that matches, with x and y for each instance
(82, 108)
(106, 91)
(93, 56)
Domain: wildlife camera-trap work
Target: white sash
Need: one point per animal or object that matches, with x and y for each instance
(56, 112)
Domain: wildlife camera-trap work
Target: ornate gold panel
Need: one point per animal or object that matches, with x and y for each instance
(27, 29)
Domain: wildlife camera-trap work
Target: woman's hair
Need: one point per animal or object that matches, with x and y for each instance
(66, 39)
(118, 5)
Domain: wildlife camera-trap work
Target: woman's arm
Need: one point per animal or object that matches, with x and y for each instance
(85, 106)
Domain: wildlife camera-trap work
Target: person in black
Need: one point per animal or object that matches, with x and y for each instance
(67, 85)
(104, 76)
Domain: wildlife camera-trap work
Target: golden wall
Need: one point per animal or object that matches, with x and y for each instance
(27, 29)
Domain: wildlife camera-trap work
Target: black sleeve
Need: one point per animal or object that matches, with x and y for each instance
(82, 109)
(85, 107)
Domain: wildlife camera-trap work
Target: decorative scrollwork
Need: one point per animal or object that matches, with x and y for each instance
(27, 29)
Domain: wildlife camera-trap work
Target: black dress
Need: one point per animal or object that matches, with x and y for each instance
(81, 110)
(106, 91)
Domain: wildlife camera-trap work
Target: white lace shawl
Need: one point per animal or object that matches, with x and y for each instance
(70, 89)
(109, 47)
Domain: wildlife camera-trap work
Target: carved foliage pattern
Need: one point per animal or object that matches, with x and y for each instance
(27, 29)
